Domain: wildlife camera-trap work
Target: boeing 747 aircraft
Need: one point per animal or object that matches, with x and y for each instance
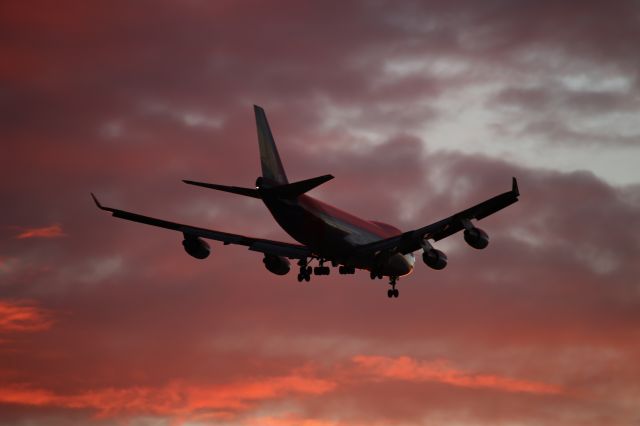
(325, 233)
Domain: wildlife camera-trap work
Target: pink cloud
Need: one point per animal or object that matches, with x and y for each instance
(294, 420)
(21, 317)
(176, 399)
(53, 231)
(441, 371)
(184, 400)
(357, 93)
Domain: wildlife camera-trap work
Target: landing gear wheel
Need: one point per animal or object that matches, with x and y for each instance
(321, 270)
(393, 291)
(305, 271)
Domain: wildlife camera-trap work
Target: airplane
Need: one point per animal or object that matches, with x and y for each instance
(325, 233)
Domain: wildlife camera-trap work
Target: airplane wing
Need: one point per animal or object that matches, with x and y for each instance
(412, 240)
(277, 248)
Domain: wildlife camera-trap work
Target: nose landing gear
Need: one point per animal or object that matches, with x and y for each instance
(393, 291)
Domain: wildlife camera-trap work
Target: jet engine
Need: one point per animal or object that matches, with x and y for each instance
(434, 258)
(476, 238)
(196, 247)
(277, 264)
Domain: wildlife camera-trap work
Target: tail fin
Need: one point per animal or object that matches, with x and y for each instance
(272, 170)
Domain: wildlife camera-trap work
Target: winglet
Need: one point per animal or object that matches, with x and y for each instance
(95, 200)
(514, 187)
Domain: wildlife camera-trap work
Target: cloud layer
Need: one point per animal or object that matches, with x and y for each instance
(419, 109)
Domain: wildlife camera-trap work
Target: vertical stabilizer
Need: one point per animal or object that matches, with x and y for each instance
(272, 170)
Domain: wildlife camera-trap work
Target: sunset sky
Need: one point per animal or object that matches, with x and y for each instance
(419, 109)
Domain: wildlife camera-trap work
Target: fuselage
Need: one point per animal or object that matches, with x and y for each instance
(334, 234)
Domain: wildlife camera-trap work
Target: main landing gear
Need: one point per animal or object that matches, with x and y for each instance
(375, 274)
(346, 270)
(321, 270)
(305, 271)
(393, 291)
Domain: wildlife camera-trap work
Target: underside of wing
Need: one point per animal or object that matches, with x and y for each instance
(414, 240)
(192, 233)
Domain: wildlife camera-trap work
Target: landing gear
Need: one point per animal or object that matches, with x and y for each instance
(346, 270)
(393, 291)
(321, 269)
(305, 271)
(374, 274)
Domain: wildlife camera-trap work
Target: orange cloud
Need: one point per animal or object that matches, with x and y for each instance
(177, 399)
(406, 368)
(52, 231)
(184, 401)
(291, 420)
(17, 316)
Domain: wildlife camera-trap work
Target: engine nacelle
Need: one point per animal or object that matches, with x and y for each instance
(434, 259)
(476, 238)
(196, 247)
(277, 264)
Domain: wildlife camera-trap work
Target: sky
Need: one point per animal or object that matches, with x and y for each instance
(419, 109)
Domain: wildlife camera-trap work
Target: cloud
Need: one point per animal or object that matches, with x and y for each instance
(53, 231)
(22, 316)
(420, 109)
(408, 369)
(239, 399)
(175, 400)
(293, 420)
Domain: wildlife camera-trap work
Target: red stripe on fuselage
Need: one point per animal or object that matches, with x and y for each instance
(328, 231)
(323, 210)
(334, 234)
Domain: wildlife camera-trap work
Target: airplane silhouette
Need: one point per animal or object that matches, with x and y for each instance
(326, 233)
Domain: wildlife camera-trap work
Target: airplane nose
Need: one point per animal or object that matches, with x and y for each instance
(401, 264)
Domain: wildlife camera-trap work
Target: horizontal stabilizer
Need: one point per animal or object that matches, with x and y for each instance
(248, 192)
(289, 190)
(295, 189)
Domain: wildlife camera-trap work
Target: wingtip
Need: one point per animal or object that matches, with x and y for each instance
(257, 108)
(95, 200)
(192, 182)
(514, 186)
